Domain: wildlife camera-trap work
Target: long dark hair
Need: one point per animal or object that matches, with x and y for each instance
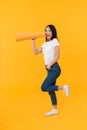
(54, 31)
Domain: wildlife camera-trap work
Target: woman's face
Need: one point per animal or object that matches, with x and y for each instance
(48, 34)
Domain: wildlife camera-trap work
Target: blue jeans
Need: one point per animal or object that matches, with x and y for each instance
(50, 81)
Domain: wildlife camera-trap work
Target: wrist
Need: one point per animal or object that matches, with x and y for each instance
(33, 41)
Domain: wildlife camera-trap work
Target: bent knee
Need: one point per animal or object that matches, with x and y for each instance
(43, 88)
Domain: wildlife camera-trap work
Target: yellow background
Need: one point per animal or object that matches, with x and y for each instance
(22, 104)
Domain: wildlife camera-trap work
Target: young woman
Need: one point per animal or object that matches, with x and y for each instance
(51, 52)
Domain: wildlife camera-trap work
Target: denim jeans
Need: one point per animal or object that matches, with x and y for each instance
(50, 81)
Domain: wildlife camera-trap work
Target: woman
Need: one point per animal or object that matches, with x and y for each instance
(51, 52)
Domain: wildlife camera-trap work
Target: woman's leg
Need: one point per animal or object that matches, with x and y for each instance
(48, 84)
(53, 99)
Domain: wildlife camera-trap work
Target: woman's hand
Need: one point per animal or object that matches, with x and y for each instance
(48, 67)
(33, 40)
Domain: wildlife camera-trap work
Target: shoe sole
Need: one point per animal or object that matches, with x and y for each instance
(68, 91)
(52, 114)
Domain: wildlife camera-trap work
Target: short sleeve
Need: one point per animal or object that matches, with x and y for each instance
(55, 42)
(42, 46)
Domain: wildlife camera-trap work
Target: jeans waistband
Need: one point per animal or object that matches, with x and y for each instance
(52, 65)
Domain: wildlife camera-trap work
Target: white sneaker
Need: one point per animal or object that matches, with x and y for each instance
(52, 112)
(66, 90)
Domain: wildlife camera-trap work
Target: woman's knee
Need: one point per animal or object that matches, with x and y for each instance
(43, 88)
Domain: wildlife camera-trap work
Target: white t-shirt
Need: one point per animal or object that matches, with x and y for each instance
(48, 50)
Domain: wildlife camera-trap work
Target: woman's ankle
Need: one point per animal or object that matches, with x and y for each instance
(54, 106)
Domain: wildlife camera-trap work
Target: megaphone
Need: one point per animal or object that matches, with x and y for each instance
(21, 36)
